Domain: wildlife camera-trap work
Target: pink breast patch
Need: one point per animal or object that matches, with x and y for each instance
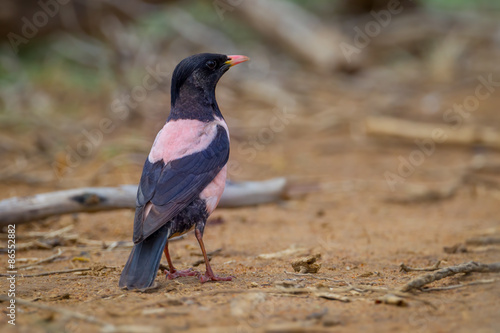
(180, 138)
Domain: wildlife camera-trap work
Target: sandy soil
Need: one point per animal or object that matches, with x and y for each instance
(339, 209)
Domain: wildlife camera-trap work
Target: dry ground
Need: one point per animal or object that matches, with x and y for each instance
(337, 209)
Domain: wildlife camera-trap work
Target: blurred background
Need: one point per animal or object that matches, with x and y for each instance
(84, 85)
(382, 115)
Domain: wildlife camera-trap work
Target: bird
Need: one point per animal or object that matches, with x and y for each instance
(184, 174)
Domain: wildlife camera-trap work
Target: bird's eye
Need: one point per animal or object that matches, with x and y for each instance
(211, 64)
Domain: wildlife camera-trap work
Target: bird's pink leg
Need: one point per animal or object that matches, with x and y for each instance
(209, 274)
(172, 273)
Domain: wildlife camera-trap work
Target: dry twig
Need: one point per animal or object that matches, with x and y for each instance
(470, 267)
(315, 277)
(49, 259)
(456, 286)
(65, 271)
(333, 297)
(40, 234)
(404, 268)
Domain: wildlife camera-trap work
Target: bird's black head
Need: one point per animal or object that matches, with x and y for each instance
(196, 76)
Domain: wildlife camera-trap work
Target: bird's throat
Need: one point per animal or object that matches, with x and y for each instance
(195, 103)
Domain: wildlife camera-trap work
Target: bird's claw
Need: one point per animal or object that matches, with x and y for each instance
(184, 273)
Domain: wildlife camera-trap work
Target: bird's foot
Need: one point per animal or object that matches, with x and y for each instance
(212, 277)
(175, 274)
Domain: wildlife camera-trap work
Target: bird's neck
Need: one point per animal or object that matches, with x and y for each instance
(193, 102)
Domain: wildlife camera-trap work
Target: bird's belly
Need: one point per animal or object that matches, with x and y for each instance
(187, 219)
(213, 192)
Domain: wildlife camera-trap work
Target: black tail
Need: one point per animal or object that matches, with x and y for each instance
(144, 260)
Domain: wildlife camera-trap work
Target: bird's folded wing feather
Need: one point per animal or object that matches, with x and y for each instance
(173, 186)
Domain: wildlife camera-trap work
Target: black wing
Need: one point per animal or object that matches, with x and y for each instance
(171, 187)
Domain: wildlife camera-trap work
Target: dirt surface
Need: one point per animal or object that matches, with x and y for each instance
(338, 208)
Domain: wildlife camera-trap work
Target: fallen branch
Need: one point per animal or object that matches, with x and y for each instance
(63, 240)
(472, 242)
(93, 199)
(470, 267)
(333, 297)
(315, 277)
(25, 209)
(66, 271)
(456, 286)
(40, 234)
(49, 259)
(404, 268)
(411, 130)
(480, 241)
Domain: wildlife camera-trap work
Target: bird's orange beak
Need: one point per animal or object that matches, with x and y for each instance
(236, 59)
